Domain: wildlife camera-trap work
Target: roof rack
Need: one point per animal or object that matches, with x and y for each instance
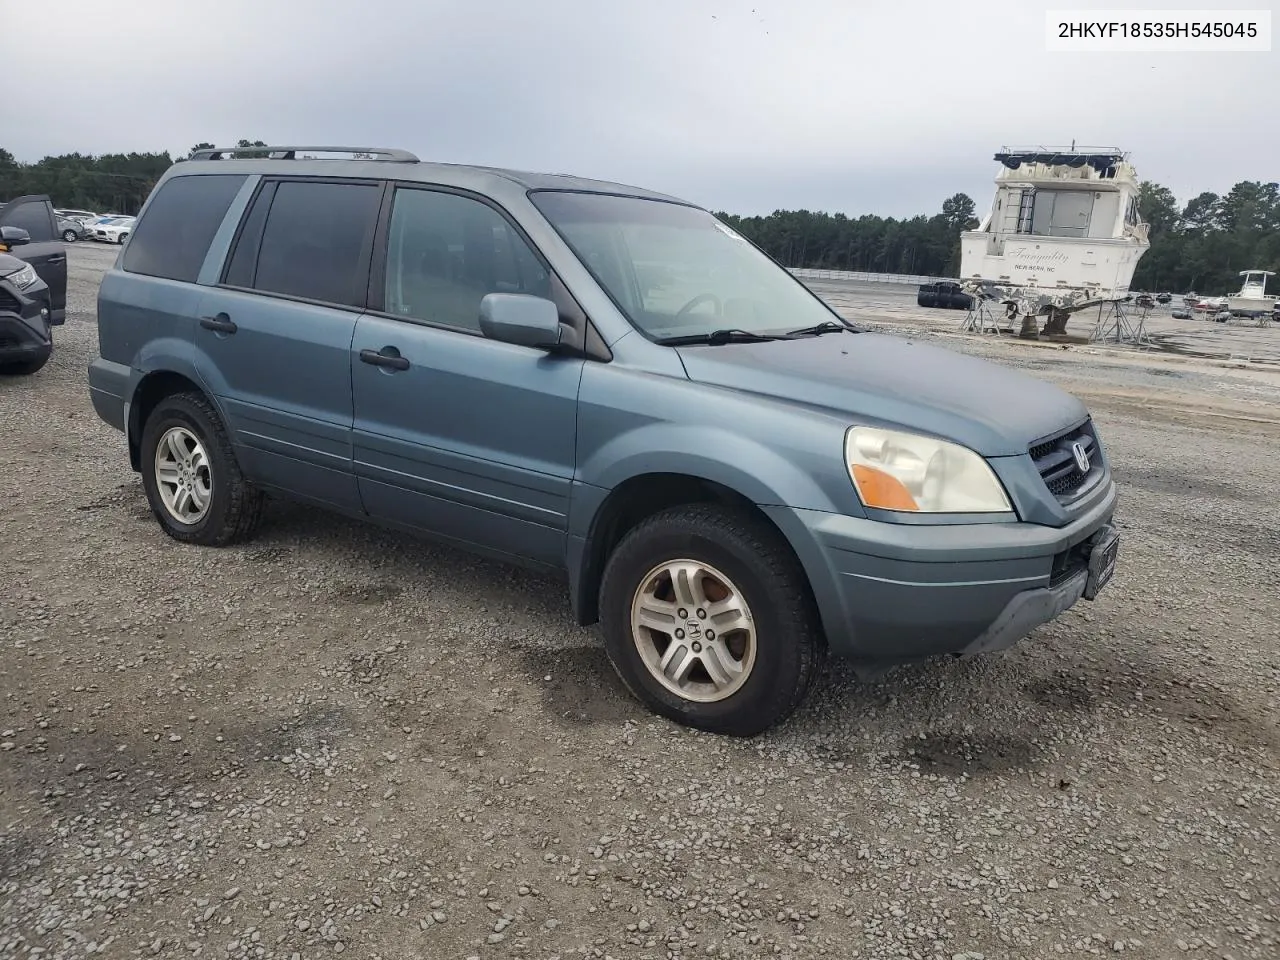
(291, 153)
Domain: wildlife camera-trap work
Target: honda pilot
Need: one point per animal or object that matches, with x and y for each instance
(603, 383)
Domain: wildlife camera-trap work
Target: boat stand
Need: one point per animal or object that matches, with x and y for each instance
(980, 319)
(1115, 325)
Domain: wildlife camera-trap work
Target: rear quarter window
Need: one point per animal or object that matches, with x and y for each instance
(172, 238)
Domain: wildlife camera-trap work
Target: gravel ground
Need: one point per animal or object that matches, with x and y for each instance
(336, 740)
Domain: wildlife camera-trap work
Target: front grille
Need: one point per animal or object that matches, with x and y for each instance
(1055, 461)
(9, 303)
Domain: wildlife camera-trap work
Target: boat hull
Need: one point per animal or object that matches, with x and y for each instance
(1039, 273)
(1251, 306)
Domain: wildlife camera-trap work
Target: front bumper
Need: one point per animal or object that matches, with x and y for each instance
(24, 324)
(891, 593)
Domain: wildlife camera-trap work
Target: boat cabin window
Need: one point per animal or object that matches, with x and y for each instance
(1131, 213)
(1061, 213)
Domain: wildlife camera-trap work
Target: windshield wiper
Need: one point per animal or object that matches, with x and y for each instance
(719, 337)
(826, 326)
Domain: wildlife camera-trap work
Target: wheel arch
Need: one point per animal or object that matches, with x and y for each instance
(634, 500)
(147, 395)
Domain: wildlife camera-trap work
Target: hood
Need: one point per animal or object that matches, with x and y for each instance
(986, 406)
(10, 264)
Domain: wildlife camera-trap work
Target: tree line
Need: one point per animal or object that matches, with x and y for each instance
(1201, 246)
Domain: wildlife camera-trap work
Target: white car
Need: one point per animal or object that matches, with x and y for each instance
(113, 231)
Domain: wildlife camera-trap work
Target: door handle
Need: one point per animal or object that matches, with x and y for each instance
(221, 323)
(386, 357)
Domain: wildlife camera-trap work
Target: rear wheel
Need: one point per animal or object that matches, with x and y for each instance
(69, 236)
(708, 620)
(193, 483)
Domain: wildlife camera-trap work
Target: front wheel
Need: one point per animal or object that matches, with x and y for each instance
(193, 483)
(708, 619)
(122, 238)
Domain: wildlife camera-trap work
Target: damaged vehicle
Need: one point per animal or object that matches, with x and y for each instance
(602, 383)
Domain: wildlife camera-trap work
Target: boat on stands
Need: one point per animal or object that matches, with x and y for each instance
(1063, 233)
(1252, 300)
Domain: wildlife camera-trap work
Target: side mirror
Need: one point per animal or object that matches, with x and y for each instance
(520, 319)
(13, 237)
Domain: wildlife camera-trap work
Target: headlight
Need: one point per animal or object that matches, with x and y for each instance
(914, 474)
(23, 278)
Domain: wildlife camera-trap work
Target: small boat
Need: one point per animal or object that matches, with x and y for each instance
(1163, 298)
(1252, 300)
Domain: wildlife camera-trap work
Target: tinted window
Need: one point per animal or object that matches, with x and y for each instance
(172, 239)
(244, 258)
(445, 252)
(32, 217)
(316, 241)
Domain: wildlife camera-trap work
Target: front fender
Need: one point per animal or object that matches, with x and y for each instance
(758, 472)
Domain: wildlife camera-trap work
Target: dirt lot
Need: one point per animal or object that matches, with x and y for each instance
(338, 740)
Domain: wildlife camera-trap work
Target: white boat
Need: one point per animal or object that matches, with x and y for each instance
(1252, 300)
(1063, 232)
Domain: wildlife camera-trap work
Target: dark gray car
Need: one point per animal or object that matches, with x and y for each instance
(30, 233)
(25, 338)
(601, 382)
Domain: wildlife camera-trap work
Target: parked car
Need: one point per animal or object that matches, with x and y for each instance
(733, 479)
(71, 230)
(29, 232)
(26, 339)
(115, 230)
(84, 216)
(946, 294)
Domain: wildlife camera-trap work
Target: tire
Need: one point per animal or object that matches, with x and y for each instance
(123, 237)
(754, 560)
(232, 507)
(69, 236)
(23, 368)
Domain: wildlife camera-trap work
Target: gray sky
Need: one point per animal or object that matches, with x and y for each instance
(860, 106)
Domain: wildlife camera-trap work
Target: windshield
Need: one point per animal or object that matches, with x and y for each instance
(677, 271)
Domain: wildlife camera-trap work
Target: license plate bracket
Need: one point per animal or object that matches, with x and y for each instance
(1102, 563)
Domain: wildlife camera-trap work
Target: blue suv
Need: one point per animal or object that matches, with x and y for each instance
(601, 382)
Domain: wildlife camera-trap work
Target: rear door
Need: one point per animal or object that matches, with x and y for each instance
(274, 336)
(45, 252)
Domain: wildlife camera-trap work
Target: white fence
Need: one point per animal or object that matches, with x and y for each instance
(907, 279)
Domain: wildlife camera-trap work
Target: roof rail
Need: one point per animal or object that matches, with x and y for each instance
(291, 153)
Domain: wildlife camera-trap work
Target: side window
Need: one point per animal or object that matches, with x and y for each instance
(445, 252)
(316, 241)
(244, 254)
(172, 239)
(34, 218)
